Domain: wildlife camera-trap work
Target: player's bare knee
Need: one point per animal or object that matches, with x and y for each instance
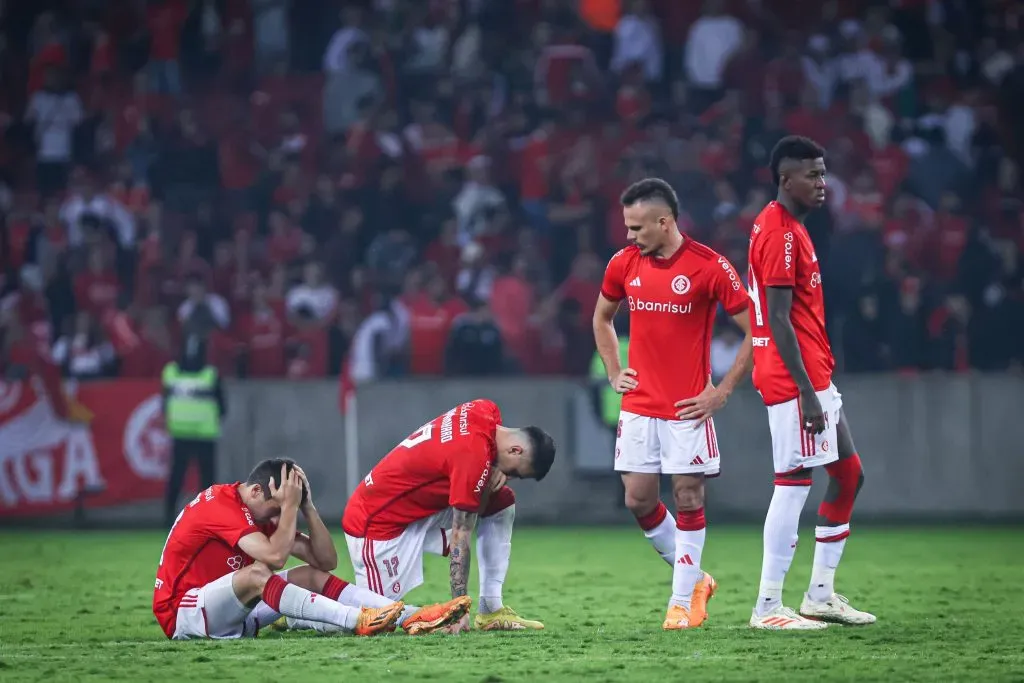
(248, 582)
(308, 577)
(642, 492)
(688, 492)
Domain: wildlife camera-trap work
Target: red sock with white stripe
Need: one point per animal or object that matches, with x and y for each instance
(660, 530)
(845, 479)
(780, 537)
(689, 537)
(298, 603)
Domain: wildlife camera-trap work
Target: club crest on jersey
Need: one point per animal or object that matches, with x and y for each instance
(680, 284)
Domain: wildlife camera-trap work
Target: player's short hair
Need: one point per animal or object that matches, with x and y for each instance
(262, 473)
(648, 189)
(542, 449)
(796, 147)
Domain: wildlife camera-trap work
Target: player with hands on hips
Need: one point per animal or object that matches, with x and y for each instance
(673, 286)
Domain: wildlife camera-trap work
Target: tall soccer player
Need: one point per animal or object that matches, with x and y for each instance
(673, 286)
(793, 372)
(219, 574)
(429, 493)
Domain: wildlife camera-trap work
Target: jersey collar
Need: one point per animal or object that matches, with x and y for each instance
(671, 260)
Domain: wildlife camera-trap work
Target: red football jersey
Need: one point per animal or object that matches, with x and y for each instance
(201, 547)
(782, 255)
(672, 305)
(445, 463)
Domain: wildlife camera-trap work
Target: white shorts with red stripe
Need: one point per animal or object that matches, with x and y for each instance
(793, 449)
(394, 567)
(214, 611)
(654, 445)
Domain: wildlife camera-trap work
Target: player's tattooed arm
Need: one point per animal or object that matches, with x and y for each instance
(462, 531)
(780, 303)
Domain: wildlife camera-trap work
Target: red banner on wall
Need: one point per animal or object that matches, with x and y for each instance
(119, 456)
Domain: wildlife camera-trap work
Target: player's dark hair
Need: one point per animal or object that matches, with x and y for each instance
(795, 147)
(542, 448)
(651, 188)
(262, 473)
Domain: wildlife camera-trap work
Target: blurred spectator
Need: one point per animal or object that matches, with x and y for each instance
(724, 347)
(202, 311)
(53, 113)
(476, 276)
(84, 352)
(638, 42)
(312, 301)
(864, 337)
(380, 345)
(477, 201)
(475, 346)
(712, 41)
(432, 312)
(271, 38)
(262, 330)
(164, 21)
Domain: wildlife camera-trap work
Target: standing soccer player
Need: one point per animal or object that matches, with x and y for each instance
(426, 496)
(673, 285)
(793, 372)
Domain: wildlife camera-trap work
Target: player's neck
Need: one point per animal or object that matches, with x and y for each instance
(789, 205)
(674, 244)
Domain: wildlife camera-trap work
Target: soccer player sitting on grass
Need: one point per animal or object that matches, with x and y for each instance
(426, 496)
(216, 576)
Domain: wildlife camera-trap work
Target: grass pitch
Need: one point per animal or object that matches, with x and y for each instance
(76, 607)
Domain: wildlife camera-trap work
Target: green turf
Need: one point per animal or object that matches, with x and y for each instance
(76, 606)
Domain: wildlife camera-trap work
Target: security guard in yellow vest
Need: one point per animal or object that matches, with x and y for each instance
(193, 409)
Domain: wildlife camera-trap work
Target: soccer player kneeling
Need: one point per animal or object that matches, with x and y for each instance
(427, 494)
(216, 576)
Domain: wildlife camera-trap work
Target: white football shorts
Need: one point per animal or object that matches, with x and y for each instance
(394, 567)
(655, 445)
(793, 449)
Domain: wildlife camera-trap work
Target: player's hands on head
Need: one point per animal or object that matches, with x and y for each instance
(813, 415)
(305, 484)
(625, 381)
(702, 406)
(290, 490)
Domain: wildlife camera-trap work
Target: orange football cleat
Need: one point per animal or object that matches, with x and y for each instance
(677, 618)
(376, 620)
(702, 592)
(435, 617)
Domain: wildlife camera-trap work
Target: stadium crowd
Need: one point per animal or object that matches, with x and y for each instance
(431, 187)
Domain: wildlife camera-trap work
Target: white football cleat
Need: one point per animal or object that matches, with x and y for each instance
(836, 609)
(785, 619)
